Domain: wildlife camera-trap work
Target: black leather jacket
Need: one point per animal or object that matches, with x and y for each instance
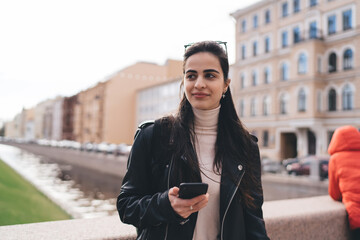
(143, 200)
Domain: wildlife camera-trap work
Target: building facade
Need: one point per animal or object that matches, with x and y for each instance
(68, 117)
(296, 76)
(89, 114)
(157, 101)
(120, 111)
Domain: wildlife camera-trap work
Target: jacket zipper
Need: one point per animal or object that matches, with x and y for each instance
(168, 186)
(227, 208)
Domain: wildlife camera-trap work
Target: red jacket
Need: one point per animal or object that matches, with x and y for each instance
(344, 171)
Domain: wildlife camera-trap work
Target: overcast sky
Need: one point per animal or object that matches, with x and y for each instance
(50, 48)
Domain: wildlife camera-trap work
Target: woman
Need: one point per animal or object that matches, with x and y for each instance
(204, 142)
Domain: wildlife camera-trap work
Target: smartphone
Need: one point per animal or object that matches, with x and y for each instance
(191, 190)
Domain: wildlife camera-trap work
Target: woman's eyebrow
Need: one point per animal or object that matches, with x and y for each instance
(190, 70)
(210, 70)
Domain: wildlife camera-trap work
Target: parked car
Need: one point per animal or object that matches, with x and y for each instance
(123, 149)
(111, 148)
(288, 161)
(102, 147)
(270, 165)
(303, 165)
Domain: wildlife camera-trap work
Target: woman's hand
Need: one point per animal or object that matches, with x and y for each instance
(185, 207)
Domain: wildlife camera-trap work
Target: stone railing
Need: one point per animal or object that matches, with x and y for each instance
(304, 218)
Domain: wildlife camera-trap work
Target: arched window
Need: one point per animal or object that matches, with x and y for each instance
(242, 80)
(332, 63)
(284, 72)
(267, 75)
(266, 105)
(332, 100)
(347, 98)
(302, 64)
(254, 78)
(302, 100)
(253, 107)
(283, 105)
(242, 108)
(348, 59)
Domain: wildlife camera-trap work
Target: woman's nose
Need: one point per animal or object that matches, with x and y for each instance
(200, 83)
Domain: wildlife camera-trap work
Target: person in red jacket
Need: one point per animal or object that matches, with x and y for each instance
(344, 173)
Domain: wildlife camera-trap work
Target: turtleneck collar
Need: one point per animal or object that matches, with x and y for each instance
(206, 119)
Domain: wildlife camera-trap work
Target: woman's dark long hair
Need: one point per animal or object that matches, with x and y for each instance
(233, 140)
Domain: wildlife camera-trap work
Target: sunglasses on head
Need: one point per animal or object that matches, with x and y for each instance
(221, 43)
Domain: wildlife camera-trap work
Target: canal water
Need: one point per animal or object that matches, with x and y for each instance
(80, 192)
(85, 193)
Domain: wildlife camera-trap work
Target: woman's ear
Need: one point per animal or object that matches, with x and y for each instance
(227, 83)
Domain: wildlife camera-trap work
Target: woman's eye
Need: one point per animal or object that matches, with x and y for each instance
(190, 76)
(209, 75)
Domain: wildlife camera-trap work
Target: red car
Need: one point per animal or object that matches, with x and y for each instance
(303, 166)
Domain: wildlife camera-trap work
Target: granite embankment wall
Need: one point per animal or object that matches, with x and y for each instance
(296, 219)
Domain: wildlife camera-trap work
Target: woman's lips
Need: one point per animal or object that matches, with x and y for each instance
(200, 95)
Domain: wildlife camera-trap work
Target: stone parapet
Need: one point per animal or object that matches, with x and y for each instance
(296, 219)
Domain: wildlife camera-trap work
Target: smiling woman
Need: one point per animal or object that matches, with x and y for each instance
(204, 142)
(21, 202)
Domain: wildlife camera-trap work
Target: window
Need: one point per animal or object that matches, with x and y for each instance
(243, 26)
(284, 72)
(318, 100)
(313, 30)
(296, 33)
(267, 16)
(265, 138)
(243, 52)
(254, 48)
(284, 9)
(267, 75)
(302, 64)
(331, 24)
(283, 107)
(254, 78)
(347, 98)
(267, 44)
(242, 108)
(253, 107)
(302, 100)
(255, 21)
(332, 62)
(330, 134)
(347, 20)
(296, 6)
(284, 39)
(332, 100)
(266, 106)
(313, 3)
(348, 59)
(242, 81)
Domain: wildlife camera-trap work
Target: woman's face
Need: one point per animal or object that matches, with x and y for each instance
(204, 81)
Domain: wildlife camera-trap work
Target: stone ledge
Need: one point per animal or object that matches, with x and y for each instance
(304, 218)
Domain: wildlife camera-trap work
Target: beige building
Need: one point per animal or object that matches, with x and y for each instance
(157, 101)
(120, 121)
(43, 119)
(89, 114)
(296, 76)
(29, 133)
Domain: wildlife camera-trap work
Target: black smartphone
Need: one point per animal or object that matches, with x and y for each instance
(191, 190)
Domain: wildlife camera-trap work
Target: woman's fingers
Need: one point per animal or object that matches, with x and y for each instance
(185, 207)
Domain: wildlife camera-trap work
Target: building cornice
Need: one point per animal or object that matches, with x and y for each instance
(252, 7)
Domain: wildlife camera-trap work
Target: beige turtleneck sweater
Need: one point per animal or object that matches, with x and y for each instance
(208, 221)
